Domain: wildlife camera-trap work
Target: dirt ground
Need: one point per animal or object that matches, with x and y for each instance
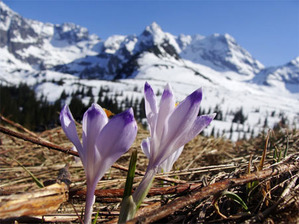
(205, 166)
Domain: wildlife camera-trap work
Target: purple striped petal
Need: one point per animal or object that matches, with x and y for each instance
(116, 137)
(69, 127)
(94, 120)
(184, 115)
(150, 106)
(199, 124)
(145, 146)
(167, 105)
(180, 121)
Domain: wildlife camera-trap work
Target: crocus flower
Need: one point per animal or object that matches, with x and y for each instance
(104, 141)
(171, 127)
(167, 165)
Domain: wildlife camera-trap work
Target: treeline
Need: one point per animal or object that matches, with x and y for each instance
(20, 104)
(115, 102)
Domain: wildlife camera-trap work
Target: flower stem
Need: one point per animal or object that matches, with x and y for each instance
(144, 187)
(90, 198)
(131, 204)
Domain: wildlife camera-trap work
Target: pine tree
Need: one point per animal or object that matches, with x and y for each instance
(89, 92)
(213, 132)
(63, 95)
(265, 123)
(239, 117)
(142, 109)
(77, 108)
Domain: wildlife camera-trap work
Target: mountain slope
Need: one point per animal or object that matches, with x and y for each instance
(287, 75)
(42, 45)
(62, 60)
(118, 57)
(221, 52)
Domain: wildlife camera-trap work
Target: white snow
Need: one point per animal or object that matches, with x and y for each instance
(205, 62)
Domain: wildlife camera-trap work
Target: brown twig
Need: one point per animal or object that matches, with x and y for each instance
(114, 193)
(37, 141)
(217, 187)
(18, 126)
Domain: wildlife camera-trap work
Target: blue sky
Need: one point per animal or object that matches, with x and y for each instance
(269, 30)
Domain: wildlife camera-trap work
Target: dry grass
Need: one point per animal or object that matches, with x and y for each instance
(204, 161)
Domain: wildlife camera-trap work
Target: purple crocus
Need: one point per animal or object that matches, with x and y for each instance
(104, 141)
(171, 127)
(167, 165)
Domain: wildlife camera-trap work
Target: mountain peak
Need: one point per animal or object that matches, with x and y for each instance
(153, 33)
(295, 61)
(225, 39)
(229, 37)
(4, 7)
(222, 53)
(153, 28)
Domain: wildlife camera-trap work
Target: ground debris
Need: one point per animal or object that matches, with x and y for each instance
(185, 195)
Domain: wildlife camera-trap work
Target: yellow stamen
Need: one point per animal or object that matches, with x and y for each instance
(108, 113)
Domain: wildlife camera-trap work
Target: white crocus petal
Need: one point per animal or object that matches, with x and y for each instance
(168, 163)
(94, 120)
(185, 136)
(150, 97)
(69, 127)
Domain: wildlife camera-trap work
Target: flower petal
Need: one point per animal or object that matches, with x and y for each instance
(184, 114)
(168, 163)
(181, 120)
(150, 106)
(69, 127)
(116, 137)
(145, 146)
(167, 105)
(200, 123)
(94, 120)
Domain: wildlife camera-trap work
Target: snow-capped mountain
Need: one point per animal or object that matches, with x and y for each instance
(56, 59)
(69, 48)
(221, 52)
(286, 75)
(119, 55)
(42, 45)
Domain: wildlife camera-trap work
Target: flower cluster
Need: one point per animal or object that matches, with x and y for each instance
(105, 140)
